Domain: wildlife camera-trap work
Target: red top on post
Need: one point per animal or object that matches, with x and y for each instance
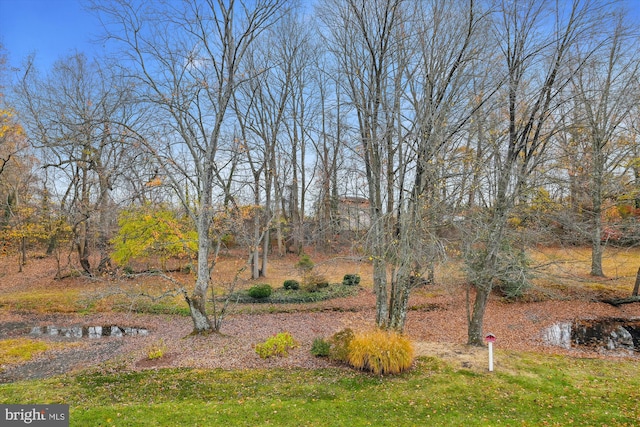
(490, 338)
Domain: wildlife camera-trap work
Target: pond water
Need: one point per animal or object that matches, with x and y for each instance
(88, 331)
(605, 333)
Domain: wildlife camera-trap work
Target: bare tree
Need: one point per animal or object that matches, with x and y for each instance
(12, 139)
(300, 133)
(268, 109)
(330, 150)
(361, 39)
(634, 160)
(605, 87)
(535, 39)
(71, 116)
(187, 58)
(407, 68)
(441, 74)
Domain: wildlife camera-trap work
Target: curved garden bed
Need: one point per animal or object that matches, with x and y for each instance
(297, 296)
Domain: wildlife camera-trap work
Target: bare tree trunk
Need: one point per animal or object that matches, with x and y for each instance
(596, 211)
(103, 227)
(82, 247)
(265, 252)
(23, 253)
(476, 321)
(380, 288)
(197, 308)
(483, 283)
(399, 303)
(197, 300)
(596, 251)
(255, 252)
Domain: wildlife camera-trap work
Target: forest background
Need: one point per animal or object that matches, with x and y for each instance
(408, 133)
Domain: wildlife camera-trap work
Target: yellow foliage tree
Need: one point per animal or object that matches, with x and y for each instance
(18, 220)
(12, 140)
(148, 231)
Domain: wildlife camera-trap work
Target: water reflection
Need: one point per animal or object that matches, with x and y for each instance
(605, 333)
(89, 331)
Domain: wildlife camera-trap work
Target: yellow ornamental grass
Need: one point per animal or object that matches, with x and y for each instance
(381, 352)
(278, 345)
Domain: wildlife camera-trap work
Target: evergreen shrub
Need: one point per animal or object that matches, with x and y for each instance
(320, 347)
(351, 279)
(291, 284)
(260, 291)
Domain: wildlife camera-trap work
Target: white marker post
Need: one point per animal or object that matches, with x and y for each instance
(490, 338)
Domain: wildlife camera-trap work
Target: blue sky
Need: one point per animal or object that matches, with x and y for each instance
(55, 28)
(50, 28)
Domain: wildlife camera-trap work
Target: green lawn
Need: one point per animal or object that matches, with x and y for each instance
(526, 390)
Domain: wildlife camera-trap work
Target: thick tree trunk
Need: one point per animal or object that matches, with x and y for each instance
(485, 274)
(380, 288)
(198, 299)
(83, 250)
(282, 250)
(476, 322)
(197, 308)
(636, 172)
(399, 304)
(52, 244)
(103, 231)
(596, 257)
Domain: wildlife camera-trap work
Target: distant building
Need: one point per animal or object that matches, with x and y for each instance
(354, 213)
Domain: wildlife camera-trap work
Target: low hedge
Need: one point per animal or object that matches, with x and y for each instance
(290, 296)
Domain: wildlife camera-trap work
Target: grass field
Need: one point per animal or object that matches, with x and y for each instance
(525, 390)
(569, 267)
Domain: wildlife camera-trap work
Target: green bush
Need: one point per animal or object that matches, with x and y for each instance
(260, 291)
(277, 345)
(291, 284)
(351, 279)
(320, 347)
(314, 281)
(284, 296)
(304, 264)
(339, 349)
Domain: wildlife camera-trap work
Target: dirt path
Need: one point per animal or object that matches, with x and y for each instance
(62, 362)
